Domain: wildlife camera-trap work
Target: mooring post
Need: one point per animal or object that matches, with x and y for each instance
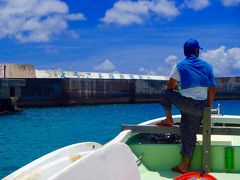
(206, 140)
(4, 71)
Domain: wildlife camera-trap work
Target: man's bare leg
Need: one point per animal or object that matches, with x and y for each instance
(169, 118)
(185, 164)
(182, 168)
(168, 121)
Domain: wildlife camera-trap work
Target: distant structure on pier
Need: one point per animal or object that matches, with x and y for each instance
(15, 71)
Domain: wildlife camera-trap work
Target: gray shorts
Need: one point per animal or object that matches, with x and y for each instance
(191, 117)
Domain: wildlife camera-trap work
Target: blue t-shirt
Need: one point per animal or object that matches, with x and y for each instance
(195, 72)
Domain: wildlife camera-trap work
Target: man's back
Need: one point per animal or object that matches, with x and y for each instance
(195, 72)
(195, 76)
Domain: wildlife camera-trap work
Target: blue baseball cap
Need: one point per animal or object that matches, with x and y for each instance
(190, 46)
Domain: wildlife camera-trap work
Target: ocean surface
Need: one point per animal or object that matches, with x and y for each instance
(37, 131)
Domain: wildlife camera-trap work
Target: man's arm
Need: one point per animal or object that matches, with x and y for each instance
(174, 77)
(172, 84)
(211, 94)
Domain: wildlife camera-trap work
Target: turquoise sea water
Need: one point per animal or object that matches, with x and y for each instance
(37, 131)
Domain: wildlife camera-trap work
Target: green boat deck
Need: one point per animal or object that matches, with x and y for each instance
(167, 174)
(158, 159)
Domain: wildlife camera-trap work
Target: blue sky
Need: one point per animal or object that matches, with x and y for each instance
(140, 36)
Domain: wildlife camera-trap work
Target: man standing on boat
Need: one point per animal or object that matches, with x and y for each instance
(195, 91)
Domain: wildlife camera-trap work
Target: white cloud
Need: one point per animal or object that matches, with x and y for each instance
(127, 12)
(34, 20)
(135, 12)
(231, 2)
(141, 69)
(196, 4)
(225, 62)
(171, 59)
(163, 70)
(146, 71)
(73, 34)
(165, 9)
(167, 66)
(105, 66)
(75, 17)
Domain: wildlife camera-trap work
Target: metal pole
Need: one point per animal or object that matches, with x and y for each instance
(206, 143)
(4, 71)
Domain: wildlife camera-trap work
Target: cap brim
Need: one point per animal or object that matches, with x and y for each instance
(200, 48)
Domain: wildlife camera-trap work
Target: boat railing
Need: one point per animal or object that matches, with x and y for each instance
(216, 130)
(217, 110)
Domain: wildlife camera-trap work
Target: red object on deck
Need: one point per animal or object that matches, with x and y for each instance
(195, 175)
(4, 70)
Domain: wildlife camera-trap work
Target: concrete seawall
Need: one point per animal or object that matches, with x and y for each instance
(60, 92)
(70, 91)
(228, 88)
(61, 88)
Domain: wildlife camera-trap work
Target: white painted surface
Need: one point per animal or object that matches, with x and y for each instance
(111, 162)
(50, 164)
(93, 75)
